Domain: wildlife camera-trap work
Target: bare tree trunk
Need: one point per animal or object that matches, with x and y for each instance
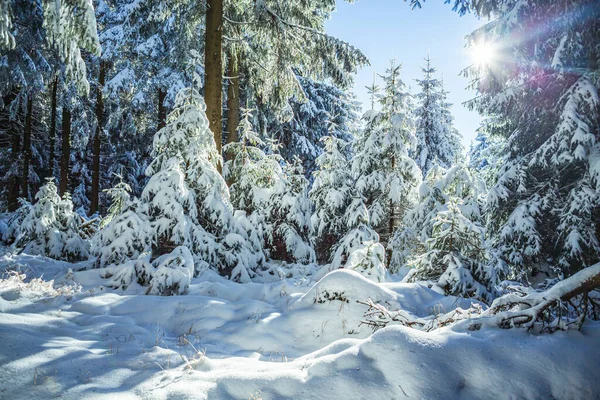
(52, 133)
(14, 184)
(27, 148)
(392, 223)
(162, 110)
(65, 155)
(97, 143)
(213, 65)
(233, 100)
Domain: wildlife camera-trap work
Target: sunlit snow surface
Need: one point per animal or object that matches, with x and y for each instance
(277, 340)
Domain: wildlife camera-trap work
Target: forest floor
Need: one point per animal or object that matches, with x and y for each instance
(290, 338)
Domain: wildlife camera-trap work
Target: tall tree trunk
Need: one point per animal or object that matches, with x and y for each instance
(14, 184)
(392, 222)
(97, 143)
(213, 66)
(27, 148)
(52, 133)
(233, 100)
(65, 155)
(162, 110)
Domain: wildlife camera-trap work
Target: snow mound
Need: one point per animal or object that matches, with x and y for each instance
(348, 286)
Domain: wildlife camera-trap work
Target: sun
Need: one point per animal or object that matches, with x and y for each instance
(483, 53)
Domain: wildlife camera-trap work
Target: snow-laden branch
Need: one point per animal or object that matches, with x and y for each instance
(513, 310)
(550, 310)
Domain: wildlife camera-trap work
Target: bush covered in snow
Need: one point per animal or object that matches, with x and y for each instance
(49, 227)
(455, 256)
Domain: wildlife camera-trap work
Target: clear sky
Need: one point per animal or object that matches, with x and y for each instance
(389, 29)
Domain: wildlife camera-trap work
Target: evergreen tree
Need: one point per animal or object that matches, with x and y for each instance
(437, 139)
(545, 204)
(435, 194)
(124, 233)
(251, 171)
(186, 204)
(50, 227)
(385, 176)
(455, 256)
(487, 154)
(287, 218)
(324, 110)
(331, 194)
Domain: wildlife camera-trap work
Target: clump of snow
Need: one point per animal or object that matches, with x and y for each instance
(368, 260)
(173, 272)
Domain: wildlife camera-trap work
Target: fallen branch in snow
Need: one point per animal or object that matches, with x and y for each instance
(513, 310)
(564, 306)
(378, 316)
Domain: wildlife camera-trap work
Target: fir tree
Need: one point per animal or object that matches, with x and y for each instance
(386, 177)
(331, 194)
(455, 256)
(50, 227)
(287, 218)
(544, 205)
(437, 139)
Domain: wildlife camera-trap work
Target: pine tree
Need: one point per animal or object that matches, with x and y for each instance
(439, 188)
(545, 202)
(486, 154)
(124, 233)
(287, 218)
(50, 227)
(324, 110)
(437, 139)
(385, 176)
(456, 256)
(186, 205)
(251, 171)
(331, 194)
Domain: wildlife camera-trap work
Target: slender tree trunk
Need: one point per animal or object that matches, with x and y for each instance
(392, 221)
(65, 155)
(97, 143)
(213, 65)
(14, 184)
(27, 148)
(233, 100)
(162, 110)
(52, 158)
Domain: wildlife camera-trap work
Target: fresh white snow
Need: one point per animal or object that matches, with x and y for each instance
(294, 338)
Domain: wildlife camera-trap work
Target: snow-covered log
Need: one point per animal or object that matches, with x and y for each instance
(513, 310)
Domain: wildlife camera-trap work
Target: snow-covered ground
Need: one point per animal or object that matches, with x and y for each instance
(285, 339)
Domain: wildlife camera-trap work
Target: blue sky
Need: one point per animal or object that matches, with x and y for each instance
(389, 29)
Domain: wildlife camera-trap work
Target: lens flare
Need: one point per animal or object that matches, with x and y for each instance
(483, 53)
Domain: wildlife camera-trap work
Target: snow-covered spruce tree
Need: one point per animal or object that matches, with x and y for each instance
(147, 46)
(487, 154)
(385, 176)
(455, 256)
(324, 110)
(545, 205)
(252, 172)
(360, 237)
(186, 204)
(435, 193)
(51, 228)
(331, 194)
(287, 223)
(124, 233)
(438, 141)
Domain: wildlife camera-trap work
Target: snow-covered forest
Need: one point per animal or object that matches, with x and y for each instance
(194, 204)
